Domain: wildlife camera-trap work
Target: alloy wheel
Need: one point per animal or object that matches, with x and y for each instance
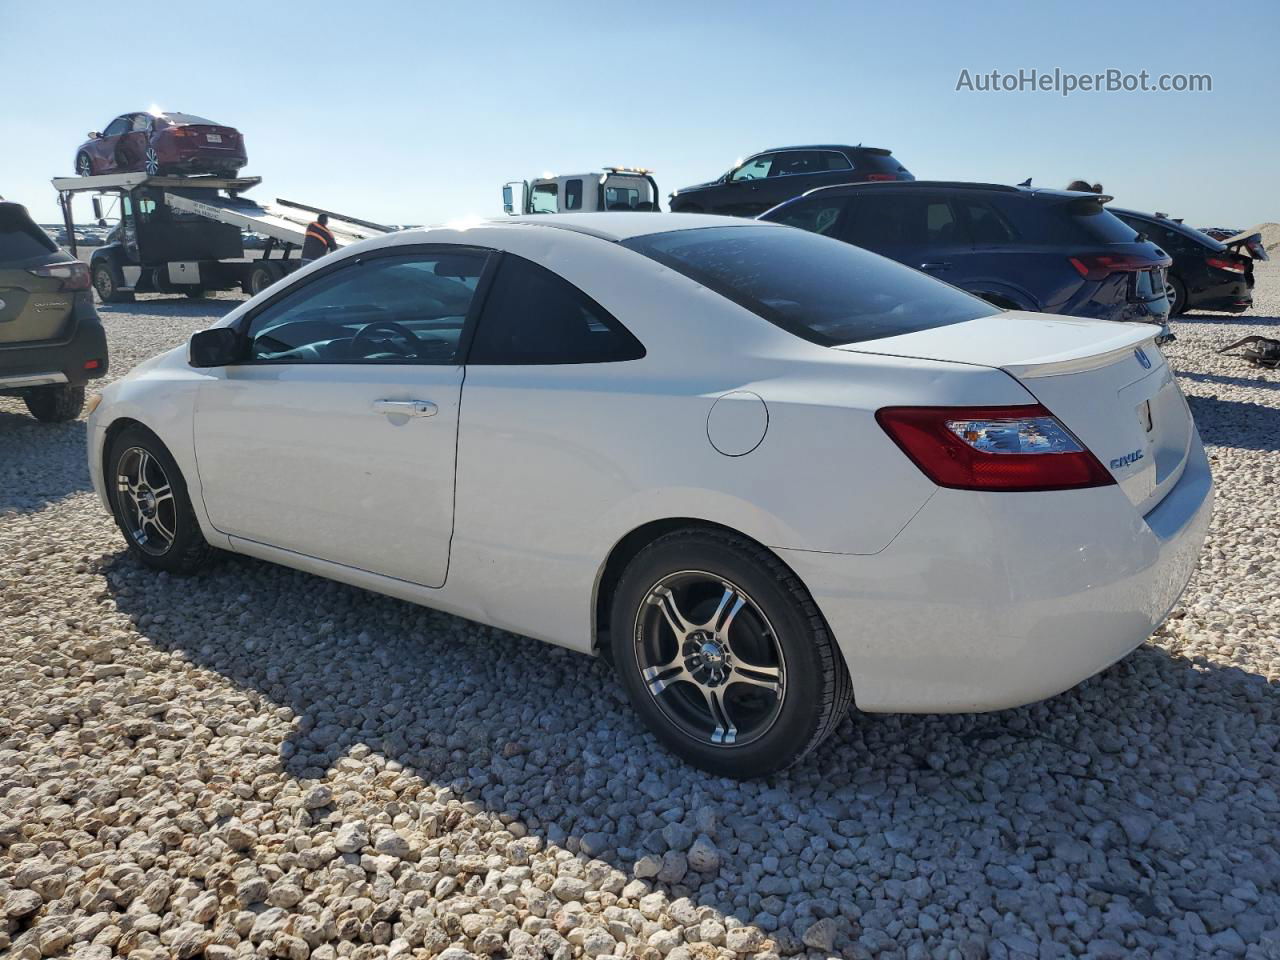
(1171, 293)
(152, 161)
(84, 166)
(710, 658)
(147, 506)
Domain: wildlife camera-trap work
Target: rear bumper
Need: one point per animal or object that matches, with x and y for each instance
(988, 601)
(63, 361)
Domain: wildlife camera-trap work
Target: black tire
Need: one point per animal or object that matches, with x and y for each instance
(1177, 291)
(816, 691)
(170, 539)
(261, 276)
(197, 294)
(84, 164)
(107, 287)
(57, 403)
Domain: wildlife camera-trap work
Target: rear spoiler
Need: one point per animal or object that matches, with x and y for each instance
(1250, 242)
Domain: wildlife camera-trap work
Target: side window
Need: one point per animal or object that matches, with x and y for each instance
(543, 199)
(573, 194)
(531, 315)
(142, 122)
(795, 162)
(408, 308)
(817, 215)
(757, 168)
(116, 127)
(940, 225)
(876, 222)
(829, 160)
(986, 225)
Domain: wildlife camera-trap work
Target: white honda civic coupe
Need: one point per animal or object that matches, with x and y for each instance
(764, 472)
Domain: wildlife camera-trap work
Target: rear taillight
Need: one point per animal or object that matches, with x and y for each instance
(74, 276)
(993, 448)
(880, 177)
(1097, 266)
(1221, 263)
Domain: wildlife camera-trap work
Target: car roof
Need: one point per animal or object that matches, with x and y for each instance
(860, 148)
(956, 185)
(623, 225)
(1169, 224)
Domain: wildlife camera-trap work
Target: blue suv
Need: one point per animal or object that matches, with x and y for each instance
(1020, 248)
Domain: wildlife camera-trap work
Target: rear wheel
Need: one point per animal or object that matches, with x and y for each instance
(150, 503)
(107, 287)
(151, 161)
(1176, 291)
(724, 654)
(261, 276)
(55, 404)
(84, 164)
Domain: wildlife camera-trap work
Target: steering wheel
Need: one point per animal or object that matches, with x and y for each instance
(389, 327)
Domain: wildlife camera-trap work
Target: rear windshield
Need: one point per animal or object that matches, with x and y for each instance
(20, 239)
(1091, 222)
(179, 118)
(822, 290)
(877, 162)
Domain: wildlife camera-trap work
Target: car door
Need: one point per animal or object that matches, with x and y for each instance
(918, 229)
(742, 194)
(104, 148)
(336, 436)
(132, 145)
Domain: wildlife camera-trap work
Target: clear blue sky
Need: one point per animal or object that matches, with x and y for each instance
(419, 111)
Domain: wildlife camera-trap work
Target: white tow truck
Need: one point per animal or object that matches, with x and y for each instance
(186, 234)
(612, 188)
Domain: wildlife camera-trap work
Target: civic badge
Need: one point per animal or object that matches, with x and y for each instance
(1142, 358)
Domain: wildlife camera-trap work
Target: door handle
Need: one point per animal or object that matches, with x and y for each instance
(405, 408)
(935, 266)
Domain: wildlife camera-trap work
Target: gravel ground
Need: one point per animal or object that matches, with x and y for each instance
(260, 762)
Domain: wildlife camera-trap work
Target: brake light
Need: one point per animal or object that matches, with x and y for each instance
(1020, 448)
(1097, 266)
(881, 177)
(74, 276)
(1233, 266)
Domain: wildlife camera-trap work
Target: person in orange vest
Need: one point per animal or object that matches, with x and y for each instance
(319, 239)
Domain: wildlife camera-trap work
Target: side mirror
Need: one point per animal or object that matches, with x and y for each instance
(97, 209)
(219, 347)
(94, 135)
(510, 204)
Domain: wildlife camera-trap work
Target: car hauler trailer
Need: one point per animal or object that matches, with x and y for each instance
(185, 234)
(613, 188)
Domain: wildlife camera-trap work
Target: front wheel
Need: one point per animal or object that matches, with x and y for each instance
(55, 404)
(150, 503)
(151, 161)
(84, 165)
(724, 655)
(105, 285)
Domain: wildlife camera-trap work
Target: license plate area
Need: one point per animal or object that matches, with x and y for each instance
(214, 137)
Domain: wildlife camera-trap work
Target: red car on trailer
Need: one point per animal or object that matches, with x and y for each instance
(159, 143)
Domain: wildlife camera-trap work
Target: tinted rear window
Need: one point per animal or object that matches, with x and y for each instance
(822, 290)
(877, 163)
(1092, 222)
(177, 118)
(20, 238)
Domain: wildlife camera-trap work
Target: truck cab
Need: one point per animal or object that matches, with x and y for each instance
(613, 188)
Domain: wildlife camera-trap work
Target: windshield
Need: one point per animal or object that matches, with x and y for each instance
(822, 290)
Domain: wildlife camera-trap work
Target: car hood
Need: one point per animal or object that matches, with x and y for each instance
(697, 186)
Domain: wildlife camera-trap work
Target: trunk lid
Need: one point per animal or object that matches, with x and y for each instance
(1107, 382)
(213, 136)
